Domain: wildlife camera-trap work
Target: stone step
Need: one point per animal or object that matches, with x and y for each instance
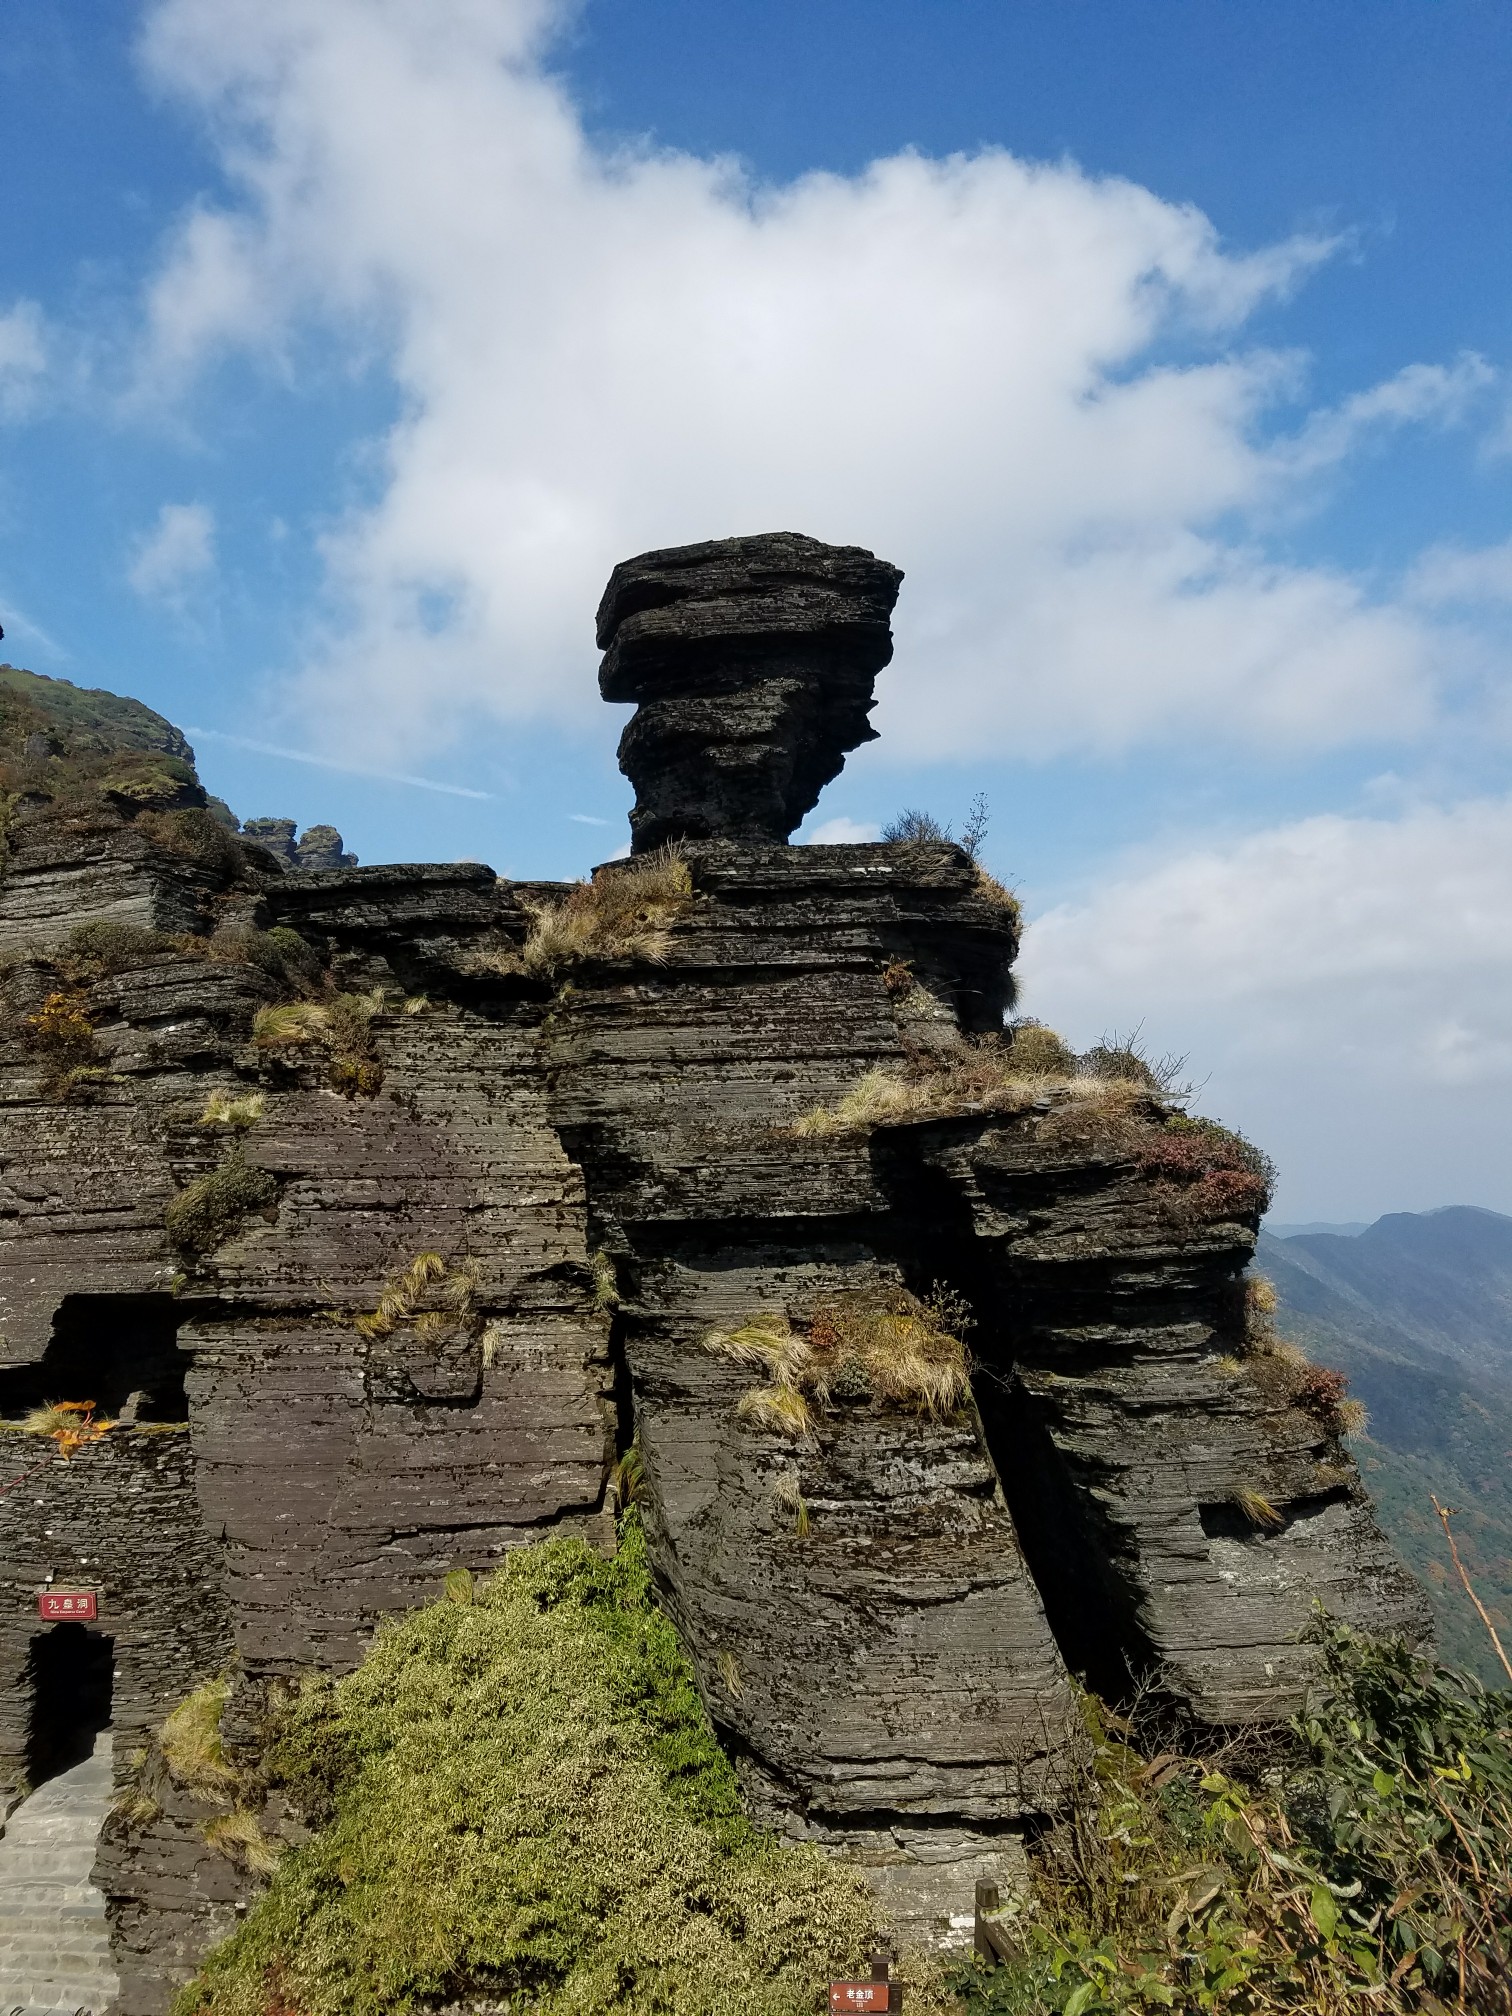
(54, 1939)
(55, 1873)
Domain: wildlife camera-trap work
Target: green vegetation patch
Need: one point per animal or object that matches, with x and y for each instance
(105, 946)
(80, 748)
(1371, 1868)
(214, 1206)
(194, 835)
(520, 1794)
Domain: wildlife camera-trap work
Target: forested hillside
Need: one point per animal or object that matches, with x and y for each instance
(1417, 1309)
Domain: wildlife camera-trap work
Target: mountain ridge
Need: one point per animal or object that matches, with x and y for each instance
(1417, 1310)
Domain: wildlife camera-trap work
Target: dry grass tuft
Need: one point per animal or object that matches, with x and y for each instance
(975, 1075)
(606, 1295)
(341, 1026)
(288, 1024)
(777, 1410)
(625, 912)
(882, 1344)
(998, 894)
(1260, 1300)
(71, 1425)
(875, 1100)
(1353, 1417)
(1257, 1508)
(430, 1297)
(190, 1740)
(238, 1837)
(52, 1418)
(789, 1495)
(240, 1110)
(729, 1675)
(1286, 1375)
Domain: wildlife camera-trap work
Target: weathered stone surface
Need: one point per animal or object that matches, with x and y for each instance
(891, 1669)
(753, 661)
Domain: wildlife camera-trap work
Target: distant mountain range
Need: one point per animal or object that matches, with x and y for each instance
(1417, 1309)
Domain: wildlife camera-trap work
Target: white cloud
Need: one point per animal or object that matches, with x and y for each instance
(178, 552)
(962, 363)
(1464, 574)
(23, 359)
(1347, 982)
(1437, 394)
(840, 833)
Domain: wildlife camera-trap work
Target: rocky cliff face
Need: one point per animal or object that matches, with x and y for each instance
(394, 1205)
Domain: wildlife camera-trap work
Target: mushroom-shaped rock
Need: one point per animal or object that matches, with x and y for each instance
(753, 662)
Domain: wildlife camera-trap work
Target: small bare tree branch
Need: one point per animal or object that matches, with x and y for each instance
(1446, 1513)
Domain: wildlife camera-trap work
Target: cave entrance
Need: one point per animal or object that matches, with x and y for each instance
(71, 1674)
(112, 1349)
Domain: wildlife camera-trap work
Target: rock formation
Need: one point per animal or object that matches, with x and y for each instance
(383, 1243)
(753, 662)
(318, 847)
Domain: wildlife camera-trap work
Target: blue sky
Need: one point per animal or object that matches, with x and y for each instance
(1164, 345)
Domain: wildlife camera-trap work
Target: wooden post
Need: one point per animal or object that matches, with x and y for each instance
(986, 1900)
(991, 1943)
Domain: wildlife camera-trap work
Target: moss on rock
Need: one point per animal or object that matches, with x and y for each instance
(521, 1795)
(206, 1213)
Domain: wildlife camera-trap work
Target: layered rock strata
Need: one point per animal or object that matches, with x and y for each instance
(390, 1213)
(753, 662)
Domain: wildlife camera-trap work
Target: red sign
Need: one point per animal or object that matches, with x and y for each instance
(79, 1605)
(860, 1995)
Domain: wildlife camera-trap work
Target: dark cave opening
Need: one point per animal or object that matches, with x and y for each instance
(106, 1348)
(70, 1674)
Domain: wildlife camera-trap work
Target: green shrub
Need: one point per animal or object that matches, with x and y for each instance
(913, 826)
(1037, 1052)
(148, 779)
(1370, 1870)
(280, 953)
(521, 1796)
(106, 946)
(1125, 1060)
(213, 1207)
(194, 835)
